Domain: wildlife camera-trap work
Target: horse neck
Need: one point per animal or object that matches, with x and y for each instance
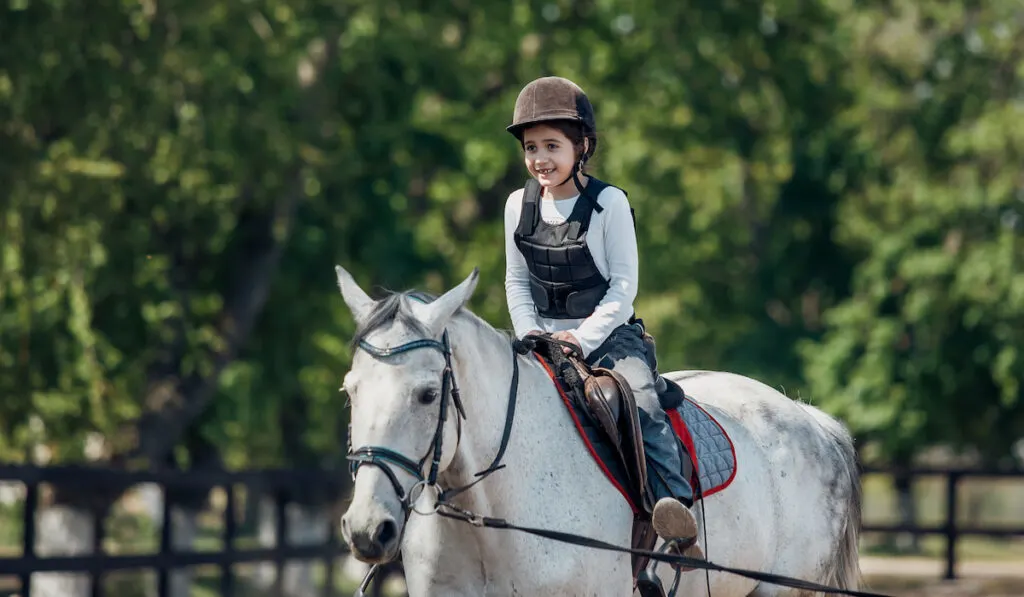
(482, 359)
(540, 427)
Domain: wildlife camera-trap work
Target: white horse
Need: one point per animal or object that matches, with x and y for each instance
(792, 509)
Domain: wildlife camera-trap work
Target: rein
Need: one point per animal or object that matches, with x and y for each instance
(385, 458)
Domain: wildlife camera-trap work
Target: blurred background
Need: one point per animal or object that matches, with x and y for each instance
(829, 197)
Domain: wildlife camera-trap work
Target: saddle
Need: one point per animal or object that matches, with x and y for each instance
(606, 399)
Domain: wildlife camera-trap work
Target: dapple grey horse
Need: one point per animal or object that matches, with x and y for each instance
(792, 509)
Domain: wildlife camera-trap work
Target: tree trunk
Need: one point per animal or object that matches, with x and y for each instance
(173, 401)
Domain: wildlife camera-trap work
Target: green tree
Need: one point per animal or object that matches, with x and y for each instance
(926, 350)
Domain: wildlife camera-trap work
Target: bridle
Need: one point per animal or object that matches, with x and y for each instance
(386, 458)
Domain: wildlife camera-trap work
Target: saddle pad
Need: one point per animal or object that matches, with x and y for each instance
(711, 450)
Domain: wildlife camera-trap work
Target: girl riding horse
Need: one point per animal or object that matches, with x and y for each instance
(572, 272)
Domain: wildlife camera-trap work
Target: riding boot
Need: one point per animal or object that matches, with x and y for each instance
(664, 456)
(675, 524)
(667, 487)
(671, 517)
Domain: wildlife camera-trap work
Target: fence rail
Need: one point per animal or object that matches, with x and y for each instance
(951, 529)
(274, 482)
(278, 483)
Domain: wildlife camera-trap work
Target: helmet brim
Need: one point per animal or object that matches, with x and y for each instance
(517, 129)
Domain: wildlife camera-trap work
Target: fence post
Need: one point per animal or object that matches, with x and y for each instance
(227, 574)
(98, 502)
(163, 586)
(28, 536)
(951, 529)
(99, 529)
(280, 503)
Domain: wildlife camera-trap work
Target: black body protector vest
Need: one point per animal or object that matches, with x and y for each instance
(564, 280)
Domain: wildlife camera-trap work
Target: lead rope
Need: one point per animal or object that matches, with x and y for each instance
(451, 511)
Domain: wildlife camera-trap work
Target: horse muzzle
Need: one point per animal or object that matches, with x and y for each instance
(374, 540)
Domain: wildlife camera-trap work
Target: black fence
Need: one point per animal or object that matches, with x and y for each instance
(281, 484)
(950, 528)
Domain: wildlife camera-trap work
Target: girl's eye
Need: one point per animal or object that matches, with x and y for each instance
(552, 147)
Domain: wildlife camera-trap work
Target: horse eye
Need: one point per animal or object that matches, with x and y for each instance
(427, 396)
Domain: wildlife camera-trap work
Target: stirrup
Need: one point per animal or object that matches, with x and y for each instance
(649, 585)
(688, 548)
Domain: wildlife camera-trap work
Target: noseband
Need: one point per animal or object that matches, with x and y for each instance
(385, 458)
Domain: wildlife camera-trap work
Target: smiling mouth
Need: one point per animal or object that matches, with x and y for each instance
(545, 171)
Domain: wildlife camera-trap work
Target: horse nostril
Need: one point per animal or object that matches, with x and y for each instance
(386, 532)
(345, 534)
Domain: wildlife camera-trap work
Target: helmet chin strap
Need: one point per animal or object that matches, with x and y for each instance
(577, 167)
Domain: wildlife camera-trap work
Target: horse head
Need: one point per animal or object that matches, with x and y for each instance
(405, 409)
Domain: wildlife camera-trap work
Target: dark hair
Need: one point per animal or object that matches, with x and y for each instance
(575, 133)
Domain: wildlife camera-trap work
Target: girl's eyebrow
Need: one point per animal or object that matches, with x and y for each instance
(546, 141)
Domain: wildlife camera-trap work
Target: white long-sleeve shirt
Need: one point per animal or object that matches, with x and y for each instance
(611, 239)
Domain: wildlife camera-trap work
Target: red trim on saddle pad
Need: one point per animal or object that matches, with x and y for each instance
(676, 418)
(583, 435)
(683, 433)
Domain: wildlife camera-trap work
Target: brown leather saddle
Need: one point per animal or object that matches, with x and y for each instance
(605, 397)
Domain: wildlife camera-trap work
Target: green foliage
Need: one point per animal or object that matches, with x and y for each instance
(826, 193)
(927, 348)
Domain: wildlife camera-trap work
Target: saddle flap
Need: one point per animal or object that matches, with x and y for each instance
(609, 392)
(602, 396)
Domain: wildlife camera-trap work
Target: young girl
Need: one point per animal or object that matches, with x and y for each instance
(572, 272)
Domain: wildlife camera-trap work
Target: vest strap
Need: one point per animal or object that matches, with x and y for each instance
(530, 216)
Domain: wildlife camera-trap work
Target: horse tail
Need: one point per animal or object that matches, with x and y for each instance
(843, 570)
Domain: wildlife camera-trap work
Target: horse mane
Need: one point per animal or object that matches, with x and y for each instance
(390, 309)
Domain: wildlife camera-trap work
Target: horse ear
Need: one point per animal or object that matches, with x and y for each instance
(357, 300)
(435, 315)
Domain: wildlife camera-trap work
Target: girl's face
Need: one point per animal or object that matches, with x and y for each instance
(549, 155)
